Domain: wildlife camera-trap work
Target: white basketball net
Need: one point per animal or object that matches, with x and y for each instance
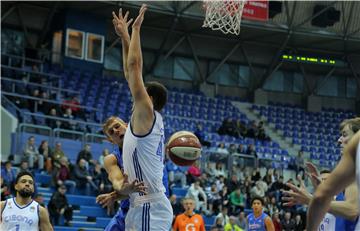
(224, 15)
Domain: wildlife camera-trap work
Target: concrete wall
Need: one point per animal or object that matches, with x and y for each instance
(8, 125)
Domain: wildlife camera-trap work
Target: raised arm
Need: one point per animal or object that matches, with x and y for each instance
(121, 25)
(342, 176)
(143, 114)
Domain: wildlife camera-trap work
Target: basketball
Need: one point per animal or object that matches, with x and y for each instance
(184, 148)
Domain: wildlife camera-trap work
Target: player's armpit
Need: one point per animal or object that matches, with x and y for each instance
(45, 224)
(347, 209)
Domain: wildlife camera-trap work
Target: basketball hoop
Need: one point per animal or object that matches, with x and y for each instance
(224, 15)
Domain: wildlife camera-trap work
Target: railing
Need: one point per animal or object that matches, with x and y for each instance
(38, 128)
(23, 60)
(75, 135)
(58, 91)
(35, 74)
(94, 138)
(48, 101)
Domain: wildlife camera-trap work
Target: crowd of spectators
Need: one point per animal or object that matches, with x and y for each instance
(240, 129)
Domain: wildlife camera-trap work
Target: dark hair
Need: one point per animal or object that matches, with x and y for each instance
(23, 173)
(158, 93)
(325, 171)
(257, 198)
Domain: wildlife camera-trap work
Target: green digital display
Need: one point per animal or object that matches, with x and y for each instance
(314, 60)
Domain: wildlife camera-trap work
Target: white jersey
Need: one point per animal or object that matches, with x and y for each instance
(143, 157)
(328, 223)
(358, 179)
(17, 218)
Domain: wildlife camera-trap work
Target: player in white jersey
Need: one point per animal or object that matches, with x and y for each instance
(344, 174)
(143, 148)
(22, 212)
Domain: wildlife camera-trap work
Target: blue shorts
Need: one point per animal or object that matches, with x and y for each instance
(117, 223)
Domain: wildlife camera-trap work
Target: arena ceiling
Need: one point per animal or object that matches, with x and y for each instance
(289, 31)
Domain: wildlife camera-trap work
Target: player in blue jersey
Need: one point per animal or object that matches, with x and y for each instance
(114, 128)
(258, 220)
(346, 204)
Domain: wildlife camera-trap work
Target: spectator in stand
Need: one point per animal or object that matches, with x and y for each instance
(214, 199)
(195, 192)
(73, 104)
(224, 197)
(276, 188)
(24, 166)
(58, 154)
(227, 128)
(43, 106)
(220, 182)
(287, 223)
(299, 224)
(231, 225)
(176, 205)
(237, 201)
(219, 170)
(251, 151)
(39, 198)
(218, 224)
(58, 206)
(277, 222)
(69, 125)
(269, 178)
(241, 149)
(193, 172)
(53, 123)
(256, 175)
(232, 149)
(8, 174)
(101, 179)
(83, 177)
(4, 190)
(176, 173)
(224, 216)
(63, 175)
(32, 155)
(87, 156)
(189, 219)
(222, 149)
(233, 183)
(33, 103)
(104, 153)
(257, 190)
(201, 136)
(241, 221)
(46, 152)
(300, 163)
(272, 207)
(241, 130)
(261, 131)
(252, 130)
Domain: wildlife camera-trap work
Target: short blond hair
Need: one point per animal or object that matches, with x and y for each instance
(108, 122)
(354, 124)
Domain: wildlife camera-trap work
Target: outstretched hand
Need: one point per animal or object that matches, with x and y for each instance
(313, 173)
(140, 18)
(121, 23)
(296, 195)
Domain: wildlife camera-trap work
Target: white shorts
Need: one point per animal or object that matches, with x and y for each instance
(156, 215)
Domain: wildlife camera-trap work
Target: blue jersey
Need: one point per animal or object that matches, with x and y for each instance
(341, 223)
(125, 204)
(256, 224)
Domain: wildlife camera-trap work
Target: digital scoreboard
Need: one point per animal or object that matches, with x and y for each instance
(312, 60)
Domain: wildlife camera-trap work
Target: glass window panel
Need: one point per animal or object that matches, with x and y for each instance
(95, 47)
(74, 44)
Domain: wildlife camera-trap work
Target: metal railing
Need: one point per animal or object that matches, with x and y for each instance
(24, 127)
(58, 90)
(23, 59)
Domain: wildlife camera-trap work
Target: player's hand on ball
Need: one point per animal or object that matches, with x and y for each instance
(121, 24)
